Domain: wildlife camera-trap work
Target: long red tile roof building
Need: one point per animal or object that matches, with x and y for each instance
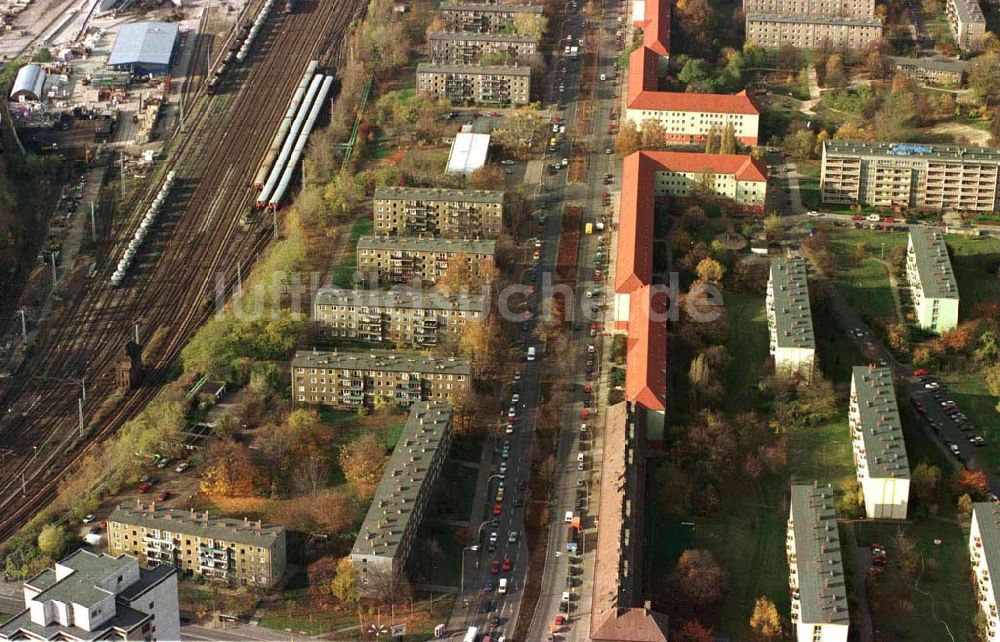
(646, 354)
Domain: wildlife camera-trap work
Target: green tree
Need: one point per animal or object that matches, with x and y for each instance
(801, 144)
(712, 140)
(964, 507)
(925, 480)
(727, 141)
(851, 503)
(984, 81)
(693, 71)
(52, 540)
(530, 24)
(992, 376)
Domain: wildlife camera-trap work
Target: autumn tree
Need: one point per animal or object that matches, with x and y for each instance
(712, 140)
(991, 374)
(972, 482)
(482, 343)
(229, 471)
(727, 139)
(344, 585)
(488, 176)
(698, 579)
(532, 25)
(458, 278)
(765, 623)
(52, 540)
(697, 20)
(653, 134)
(834, 77)
(984, 81)
(694, 631)
(964, 506)
(925, 481)
(898, 337)
(710, 271)
(851, 503)
(629, 139)
(332, 511)
(363, 461)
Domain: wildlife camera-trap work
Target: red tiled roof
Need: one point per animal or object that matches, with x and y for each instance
(633, 625)
(681, 101)
(656, 31)
(642, 73)
(634, 263)
(743, 167)
(646, 374)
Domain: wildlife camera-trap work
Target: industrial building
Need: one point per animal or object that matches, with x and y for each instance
(484, 17)
(773, 31)
(688, 118)
(789, 318)
(469, 48)
(967, 23)
(407, 318)
(468, 153)
(407, 259)
(28, 84)
(933, 287)
(145, 48)
(618, 611)
(386, 536)
(89, 597)
(815, 566)
(984, 552)
(938, 177)
(351, 379)
(476, 84)
(879, 450)
(444, 213)
(237, 552)
(939, 72)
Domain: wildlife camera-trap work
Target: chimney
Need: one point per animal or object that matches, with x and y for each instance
(258, 527)
(647, 606)
(205, 519)
(152, 507)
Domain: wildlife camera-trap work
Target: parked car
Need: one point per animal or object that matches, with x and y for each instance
(143, 488)
(88, 519)
(181, 467)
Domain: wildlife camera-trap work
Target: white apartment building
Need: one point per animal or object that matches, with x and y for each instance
(815, 567)
(789, 318)
(984, 553)
(846, 8)
(967, 23)
(772, 31)
(879, 450)
(688, 118)
(89, 597)
(933, 287)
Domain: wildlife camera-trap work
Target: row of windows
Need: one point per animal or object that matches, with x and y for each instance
(156, 534)
(416, 313)
(416, 254)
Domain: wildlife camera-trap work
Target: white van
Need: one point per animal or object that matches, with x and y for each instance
(569, 516)
(502, 589)
(531, 353)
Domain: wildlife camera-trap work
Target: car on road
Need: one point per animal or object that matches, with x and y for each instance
(931, 385)
(507, 565)
(920, 372)
(954, 449)
(163, 463)
(506, 161)
(560, 620)
(495, 567)
(497, 509)
(88, 519)
(181, 467)
(493, 537)
(814, 213)
(512, 537)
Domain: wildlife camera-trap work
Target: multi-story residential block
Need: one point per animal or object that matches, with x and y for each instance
(92, 598)
(879, 451)
(469, 48)
(618, 612)
(772, 31)
(237, 552)
(839, 8)
(648, 175)
(941, 72)
(487, 84)
(933, 287)
(815, 566)
(984, 553)
(405, 318)
(789, 318)
(386, 536)
(967, 23)
(405, 259)
(944, 177)
(484, 17)
(689, 118)
(349, 379)
(444, 213)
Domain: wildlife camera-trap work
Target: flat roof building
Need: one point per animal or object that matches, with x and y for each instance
(879, 450)
(941, 72)
(984, 552)
(469, 48)
(237, 552)
(468, 153)
(476, 84)
(967, 23)
(815, 566)
(145, 48)
(933, 287)
(773, 31)
(90, 597)
(484, 17)
(845, 8)
(443, 213)
(933, 177)
(789, 318)
(404, 318)
(396, 511)
(407, 259)
(351, 379)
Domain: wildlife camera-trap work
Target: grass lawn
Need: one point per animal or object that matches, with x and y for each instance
(865, 282)
(971, 260)
(344, 277)
(969, 391)
(747, 344)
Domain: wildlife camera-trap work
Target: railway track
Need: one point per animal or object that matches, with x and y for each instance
(171, 289)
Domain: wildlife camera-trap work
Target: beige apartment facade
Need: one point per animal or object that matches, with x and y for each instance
(399, 259)
(838, 8)
(941, 177)
(236, 552)
(451, 48)
(444, 213)
(475, 84)
(967, 23)
(984, 553)
(484, 17)
(352, 379)
(407, 318)
(933, 286)
(773, 31)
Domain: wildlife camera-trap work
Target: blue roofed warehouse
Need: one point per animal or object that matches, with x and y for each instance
(145, 48)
